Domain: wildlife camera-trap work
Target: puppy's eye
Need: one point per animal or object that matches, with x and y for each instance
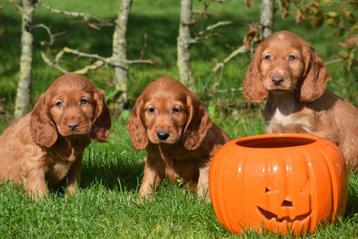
(268, 57)
(59, 104)
(83, 101)
(151, 109)
(292, 58)
(176, 109)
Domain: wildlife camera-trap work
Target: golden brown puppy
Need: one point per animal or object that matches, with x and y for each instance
(290, 74)
(174, 127)
(45, 146)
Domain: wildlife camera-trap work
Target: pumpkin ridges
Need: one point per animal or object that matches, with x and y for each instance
(337, 178)
(215, 182)
(219, 182)
(227, 217)
(238, 194)
(327, 162)
(269, 181)
(292, 191)
(323, 200)
(312, 221)
(267, 164)
(306, 226)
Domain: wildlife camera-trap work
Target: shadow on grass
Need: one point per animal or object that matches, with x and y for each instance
(352, 197)
(352, 205)
(116, 174)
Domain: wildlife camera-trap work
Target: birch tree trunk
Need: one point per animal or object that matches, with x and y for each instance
(24, 85)
(119, 55)
(267, 17)
(183, 43)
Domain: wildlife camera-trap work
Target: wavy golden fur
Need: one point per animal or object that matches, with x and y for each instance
(289, 73)
(174, 127)
(45, 147)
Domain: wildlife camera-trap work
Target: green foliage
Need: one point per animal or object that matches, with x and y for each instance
(149, 26)
(339, 15)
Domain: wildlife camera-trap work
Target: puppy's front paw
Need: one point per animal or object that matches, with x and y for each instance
(37, 193)
(71, 189)
(203, 193)
(35, 187)
(142, 199)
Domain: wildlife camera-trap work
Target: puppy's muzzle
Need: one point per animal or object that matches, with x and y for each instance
(73, 124)
(162, 135)
(277, 79)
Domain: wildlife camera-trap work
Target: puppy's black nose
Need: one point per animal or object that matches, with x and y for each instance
(72, 124)
(277, 79)
(162, 135)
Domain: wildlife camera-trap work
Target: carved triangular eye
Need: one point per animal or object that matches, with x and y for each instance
(270, 186)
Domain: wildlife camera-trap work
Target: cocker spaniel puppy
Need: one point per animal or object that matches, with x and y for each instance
(289, 73)
(45, 147)
(174, 127)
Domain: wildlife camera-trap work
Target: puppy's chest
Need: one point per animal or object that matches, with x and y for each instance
(181, 164)
(290, 120)
(59, 163)
(176, 158)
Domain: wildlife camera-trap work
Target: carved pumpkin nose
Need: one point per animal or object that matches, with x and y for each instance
(287, 202)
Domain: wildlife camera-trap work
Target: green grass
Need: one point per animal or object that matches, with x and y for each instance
(104, 206)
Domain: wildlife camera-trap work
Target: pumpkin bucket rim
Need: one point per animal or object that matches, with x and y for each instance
(277, 141)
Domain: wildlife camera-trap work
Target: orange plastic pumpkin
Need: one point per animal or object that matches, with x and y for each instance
(280, 182)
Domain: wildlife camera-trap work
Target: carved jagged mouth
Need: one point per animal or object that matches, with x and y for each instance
(269, 215)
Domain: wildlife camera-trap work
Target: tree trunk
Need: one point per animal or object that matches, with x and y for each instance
(267, 17)
(120, 56)
(22, 102)
(183, 43)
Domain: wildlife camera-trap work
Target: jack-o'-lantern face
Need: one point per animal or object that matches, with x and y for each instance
(290, 214)
(285, 203)
(279, 183)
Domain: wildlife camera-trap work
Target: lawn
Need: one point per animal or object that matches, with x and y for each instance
(104, 207)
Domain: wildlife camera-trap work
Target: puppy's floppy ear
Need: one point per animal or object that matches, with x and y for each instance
(253, 87)
(42, 128)
(315, 76)
(135, 126)
(197, 125)
(102, 119)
